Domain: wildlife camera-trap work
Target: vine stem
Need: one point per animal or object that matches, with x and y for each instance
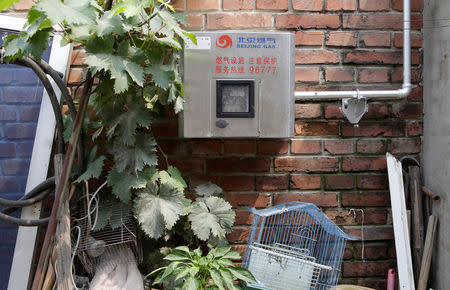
(61, 192)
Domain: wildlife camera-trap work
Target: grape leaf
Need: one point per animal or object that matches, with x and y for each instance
(109, 23)
(179, 104)
(208, 189)
(158, 208)
(211, 215)
(111, 212)
(161, 77)
(176, 174)
(94, 169)
(135, 157)
(69, 11)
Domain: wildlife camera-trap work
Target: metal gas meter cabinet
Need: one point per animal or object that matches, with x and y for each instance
(239, 84)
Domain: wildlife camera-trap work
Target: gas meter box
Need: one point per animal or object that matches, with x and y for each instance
(239, 84)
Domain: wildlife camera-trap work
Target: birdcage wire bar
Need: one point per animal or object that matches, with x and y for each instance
(304, 236)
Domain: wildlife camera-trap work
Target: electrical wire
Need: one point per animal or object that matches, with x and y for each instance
(75, 248)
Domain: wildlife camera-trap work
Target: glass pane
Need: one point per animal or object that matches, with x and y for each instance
(235, 98)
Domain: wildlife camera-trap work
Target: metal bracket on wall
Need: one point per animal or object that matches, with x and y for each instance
(354, 109)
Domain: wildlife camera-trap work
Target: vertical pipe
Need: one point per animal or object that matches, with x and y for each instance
(406, 46)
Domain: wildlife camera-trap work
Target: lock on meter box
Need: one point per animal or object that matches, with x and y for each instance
(239, 84)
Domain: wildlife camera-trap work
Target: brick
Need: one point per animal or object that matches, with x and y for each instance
(307, 74)
(333, 112)
(313, 38)
(407, 110)
(339, 146)
(9, 184)
(374, 283)
(372, 216)
(7, 149)
(272, 147)
(305, 147)
(78, 57)
(188, 165)
(374, 39)
(23, 5)
(348, 252)
(75, 75)
(20, 95)
(313, 56)
(416, 94)
(272, 182)
(371, 146)
(310, 5)
(366, 199)
(334, 182)
(237, 183)
(316, 128)
(238, 21)
(370, 5)
(238, 235)
(416, 5)
(305, 182)
(415, 129)
(195, 21)
(173, 147)
(374, 129)
(206, 147)
(239, 147)
(234, 164)
(372, 233)
(243, 217)
(237, 4)
(202, 4)
(346, 5)
(306, 21)
(27, 114)
(354, 164)
(379, 21)
(373, 57)
(373, 75)
(20, 131)
(378, 181)
(307, 111)
(178, 4)
(340, 216)
(405, 146)
(7, 113)
(340, 38)
(367, 268)
(165, 129)
(248, 199)
(333, 74)
(15, 167)
(272, 4)
(24, 149)
(319, 199)
(305, 164)
(416, 39)
(372, 251)
(397, 75)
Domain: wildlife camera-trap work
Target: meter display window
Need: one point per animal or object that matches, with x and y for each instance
(235, 99)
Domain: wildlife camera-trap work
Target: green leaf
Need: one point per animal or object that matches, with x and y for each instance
(227, 278)
(233, 255)
(69, 11)
(191, 283)
(161, 77)
(158, 208)
(167, 273)
(182, 273)
(179, 105)
(208, 189)
(135, 157)
(176, 174)
(111, 212)
(109, 23)
(183, 249)
(217, 278)
(242, 274)
(221, 251)
(94, 169)
(135, 71)
(123, 182)
(174, 256)
(225, 262)
(6, 4)
(211, 215)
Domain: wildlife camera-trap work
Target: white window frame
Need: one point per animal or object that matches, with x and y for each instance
(19, 277)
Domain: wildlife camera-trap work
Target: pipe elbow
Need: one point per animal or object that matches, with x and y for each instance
(405, 91)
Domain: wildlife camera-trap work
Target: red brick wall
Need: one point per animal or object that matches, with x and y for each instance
(341, 44)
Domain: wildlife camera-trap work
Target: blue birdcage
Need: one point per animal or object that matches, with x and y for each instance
(294, 246)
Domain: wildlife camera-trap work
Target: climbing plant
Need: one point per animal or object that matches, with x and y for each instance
(133, 54)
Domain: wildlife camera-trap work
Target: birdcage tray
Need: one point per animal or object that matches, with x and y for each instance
(279, 267)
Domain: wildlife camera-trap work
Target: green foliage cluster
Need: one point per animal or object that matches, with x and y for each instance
(133, 51)
(190, 270)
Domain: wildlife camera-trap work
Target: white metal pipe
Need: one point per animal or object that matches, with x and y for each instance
(378, 94)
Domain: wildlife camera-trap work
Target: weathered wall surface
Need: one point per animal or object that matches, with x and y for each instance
(436, 148)
(340, 45)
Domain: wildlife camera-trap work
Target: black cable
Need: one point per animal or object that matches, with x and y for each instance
(52, 96)
(25, 202)
(23, 222)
